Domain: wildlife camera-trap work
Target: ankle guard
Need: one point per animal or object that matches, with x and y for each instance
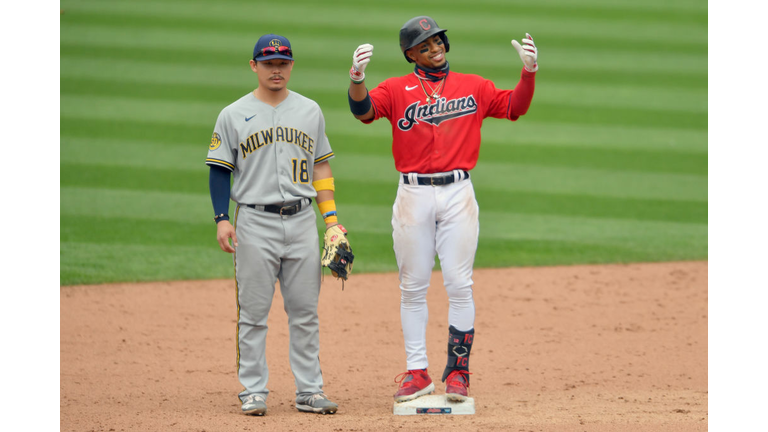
(459, 346)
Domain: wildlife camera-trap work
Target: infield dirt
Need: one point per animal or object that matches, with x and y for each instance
(578, 348)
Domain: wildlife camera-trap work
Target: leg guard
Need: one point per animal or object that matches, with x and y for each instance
(459, 346)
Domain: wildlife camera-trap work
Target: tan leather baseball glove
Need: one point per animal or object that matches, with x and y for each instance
(337, 252)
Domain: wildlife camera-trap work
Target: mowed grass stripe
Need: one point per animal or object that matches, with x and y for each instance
(121, 153)
(89, 263)
(658, 99)
(546, 179)
(84, 262)
(172, 179)
(598, 183)
(77, 132)
(614, 12)
(181, 66)
(551, 36)
(107, 249)
(360, 138)
(139, 204)
(315, 50)
(321, 19)
(622, 137)
(93, 107)
(523, 252)
(376, 219)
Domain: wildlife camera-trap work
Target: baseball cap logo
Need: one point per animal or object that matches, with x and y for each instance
(275, 43)
(425, 24)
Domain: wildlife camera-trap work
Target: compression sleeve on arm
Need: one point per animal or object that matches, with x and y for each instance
(521, 97)
(218, 183)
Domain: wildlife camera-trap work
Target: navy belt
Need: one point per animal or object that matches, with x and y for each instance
(436, 180)
(288, 210)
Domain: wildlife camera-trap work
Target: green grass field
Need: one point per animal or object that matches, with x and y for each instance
(609, 165)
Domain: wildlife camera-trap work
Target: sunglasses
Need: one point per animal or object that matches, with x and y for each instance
(275, 50)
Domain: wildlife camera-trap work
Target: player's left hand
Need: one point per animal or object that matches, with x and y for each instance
(528, 53)
(337, 254)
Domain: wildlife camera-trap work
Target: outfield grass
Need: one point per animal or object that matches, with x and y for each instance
(609, 165)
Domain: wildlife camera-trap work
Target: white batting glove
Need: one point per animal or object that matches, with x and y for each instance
(360, 60)
(528, 53)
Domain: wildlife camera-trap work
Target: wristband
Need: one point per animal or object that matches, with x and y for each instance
(330, 217)
(327, 206)
(220, 217)
(360, 107)
(328, 210)
(356, 76)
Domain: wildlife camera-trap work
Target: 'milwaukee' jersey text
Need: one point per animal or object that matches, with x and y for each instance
(288, 135)
(444, 134)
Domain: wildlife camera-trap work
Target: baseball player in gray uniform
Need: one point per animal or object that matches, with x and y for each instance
(273, 141)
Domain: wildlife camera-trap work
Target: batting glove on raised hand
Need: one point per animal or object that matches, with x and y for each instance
(528, 53)
(360, 60)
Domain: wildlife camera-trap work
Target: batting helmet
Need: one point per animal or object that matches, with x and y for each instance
(419, 29)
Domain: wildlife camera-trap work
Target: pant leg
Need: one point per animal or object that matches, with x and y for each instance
(413, 234)
(457, 234)
(300, 286)
(257, 262)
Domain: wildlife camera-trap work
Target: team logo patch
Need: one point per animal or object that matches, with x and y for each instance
(275, 43)
(436, 113)
(215, 141)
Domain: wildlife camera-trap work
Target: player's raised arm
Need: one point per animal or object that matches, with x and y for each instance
(523, 93)
(359, 101)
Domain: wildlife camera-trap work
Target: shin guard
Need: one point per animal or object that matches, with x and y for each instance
(459, 346)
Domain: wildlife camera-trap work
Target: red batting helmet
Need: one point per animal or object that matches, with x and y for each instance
(419, 29)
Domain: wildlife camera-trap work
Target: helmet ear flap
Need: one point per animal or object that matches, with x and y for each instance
(447, 44)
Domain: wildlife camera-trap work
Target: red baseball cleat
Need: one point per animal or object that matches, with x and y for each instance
(456, 386)
(413, 384)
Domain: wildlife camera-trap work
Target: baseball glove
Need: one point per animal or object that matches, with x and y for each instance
(337, 253)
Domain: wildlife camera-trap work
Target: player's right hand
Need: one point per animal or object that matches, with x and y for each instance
(360, 59)
(225, 231)
(528, 53)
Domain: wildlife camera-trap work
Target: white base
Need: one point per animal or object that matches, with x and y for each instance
(434, 404)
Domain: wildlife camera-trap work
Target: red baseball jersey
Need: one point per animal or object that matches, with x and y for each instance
(444, 134)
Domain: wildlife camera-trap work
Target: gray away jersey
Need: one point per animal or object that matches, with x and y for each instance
(271, 150)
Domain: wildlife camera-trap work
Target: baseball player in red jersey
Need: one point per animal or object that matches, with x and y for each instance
(436, 115)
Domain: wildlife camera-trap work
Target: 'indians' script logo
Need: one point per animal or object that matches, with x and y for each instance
(434, 114)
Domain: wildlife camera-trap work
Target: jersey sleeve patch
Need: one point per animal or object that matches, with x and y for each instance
(221, 163)
(215, 141)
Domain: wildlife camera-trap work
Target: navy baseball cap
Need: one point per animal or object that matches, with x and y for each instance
(271, 46)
